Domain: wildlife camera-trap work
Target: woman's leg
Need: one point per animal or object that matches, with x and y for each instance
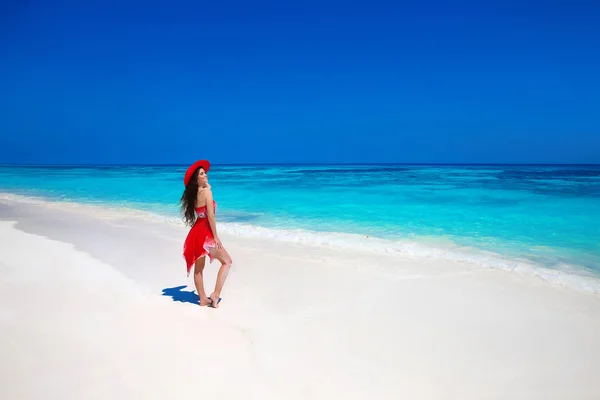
(199, 281)
(225, 259)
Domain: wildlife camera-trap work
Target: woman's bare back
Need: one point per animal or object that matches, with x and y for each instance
(201, 197)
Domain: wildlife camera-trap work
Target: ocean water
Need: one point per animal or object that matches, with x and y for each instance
(546, 218)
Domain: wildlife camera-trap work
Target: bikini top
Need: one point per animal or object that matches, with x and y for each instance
(201, 211)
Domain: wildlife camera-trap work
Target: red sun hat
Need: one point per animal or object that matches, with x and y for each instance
(190, 171)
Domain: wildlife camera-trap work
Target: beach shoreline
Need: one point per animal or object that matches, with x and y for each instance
(349, 323)
(434, 249)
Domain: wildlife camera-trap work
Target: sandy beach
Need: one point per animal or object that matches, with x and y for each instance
(95, 304)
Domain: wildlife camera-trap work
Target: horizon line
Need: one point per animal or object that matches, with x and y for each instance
(282, 164)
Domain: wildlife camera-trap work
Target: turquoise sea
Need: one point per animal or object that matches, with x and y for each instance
(506, 216)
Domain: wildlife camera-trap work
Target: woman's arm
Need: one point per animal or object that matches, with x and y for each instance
(210, 213)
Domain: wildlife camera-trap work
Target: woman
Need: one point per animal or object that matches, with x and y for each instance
(198, 208)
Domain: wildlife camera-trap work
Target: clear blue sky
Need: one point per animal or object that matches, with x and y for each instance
(307, 82)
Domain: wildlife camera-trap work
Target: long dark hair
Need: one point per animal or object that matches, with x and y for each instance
(188, 200)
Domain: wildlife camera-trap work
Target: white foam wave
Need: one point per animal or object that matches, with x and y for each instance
(576, 279)
(431, 248)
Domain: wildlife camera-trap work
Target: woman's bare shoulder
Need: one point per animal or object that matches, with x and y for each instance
(204, 194)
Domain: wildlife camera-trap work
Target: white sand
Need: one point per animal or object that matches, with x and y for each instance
(82, 316)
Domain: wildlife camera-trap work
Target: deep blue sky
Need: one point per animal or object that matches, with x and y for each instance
(325, 82)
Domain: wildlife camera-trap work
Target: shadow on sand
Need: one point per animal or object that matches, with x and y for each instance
(181, 296)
